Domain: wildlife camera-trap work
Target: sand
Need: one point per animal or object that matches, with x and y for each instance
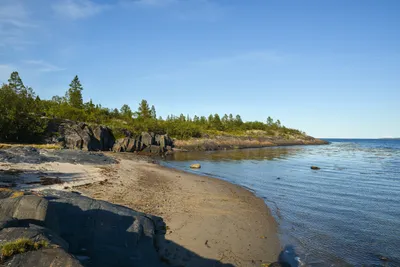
(210, 217)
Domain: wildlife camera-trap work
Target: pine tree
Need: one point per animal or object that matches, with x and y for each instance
(153, 112)
(15, 83)
(238, 120)
(126, 111)
(270, 121)
(74, 94)
(144, 111)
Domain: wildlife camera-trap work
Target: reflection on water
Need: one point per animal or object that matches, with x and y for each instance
(238, 154)
(346, 214)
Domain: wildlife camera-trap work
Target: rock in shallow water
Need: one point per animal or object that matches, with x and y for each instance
(195, 166)
(315, 168)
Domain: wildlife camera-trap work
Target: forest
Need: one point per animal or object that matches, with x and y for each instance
(24, 117)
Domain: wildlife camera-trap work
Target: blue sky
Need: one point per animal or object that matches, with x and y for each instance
(330, 68)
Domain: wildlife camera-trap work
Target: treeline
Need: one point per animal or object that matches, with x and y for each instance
(24, 116)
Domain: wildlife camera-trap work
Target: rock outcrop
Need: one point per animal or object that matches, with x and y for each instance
(79, 231)
(79, 135)
(146, 143)
(76, 135)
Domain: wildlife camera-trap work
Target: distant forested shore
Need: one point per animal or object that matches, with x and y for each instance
(24, 117)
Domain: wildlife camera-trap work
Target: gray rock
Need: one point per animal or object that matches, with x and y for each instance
(107, 235)
(126, 145)
(78, 136)
(105, 137)
(54, 257)
(147, 139)
(81, 136)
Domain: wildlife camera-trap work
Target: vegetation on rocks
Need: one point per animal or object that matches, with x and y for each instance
(19, 246)
(24, 117)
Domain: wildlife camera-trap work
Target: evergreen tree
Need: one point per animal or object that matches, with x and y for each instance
(115, 113)
(238, 120)
(126, 111)
(270, 121)
(217, 124)
(225, 119)
(74, 94)
(15, 83)
(144, 111)
(210, 119)
(203, 120)
(153, 112)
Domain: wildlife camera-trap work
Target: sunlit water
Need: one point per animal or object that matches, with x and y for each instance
(346, 214)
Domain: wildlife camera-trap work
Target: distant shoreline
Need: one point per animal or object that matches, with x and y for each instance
(241, 142)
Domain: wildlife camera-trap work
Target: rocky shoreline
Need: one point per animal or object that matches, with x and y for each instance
(233, 142)
(115, 209)
(74, 135)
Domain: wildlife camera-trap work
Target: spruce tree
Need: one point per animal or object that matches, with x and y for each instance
(153, 112)
(144, 110)
(15, 82)
(74, 94)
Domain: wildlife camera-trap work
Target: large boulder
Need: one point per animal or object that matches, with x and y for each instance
(147, 139)
(76, 135)
(105, 137)
(75, 227)
(126, 145)
(163, 141)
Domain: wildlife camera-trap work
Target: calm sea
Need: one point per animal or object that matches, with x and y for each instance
(345, 214)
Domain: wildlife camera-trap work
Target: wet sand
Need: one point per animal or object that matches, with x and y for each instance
(210, 217)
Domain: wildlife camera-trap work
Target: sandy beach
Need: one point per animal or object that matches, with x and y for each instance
(209, 222)
(210, 217)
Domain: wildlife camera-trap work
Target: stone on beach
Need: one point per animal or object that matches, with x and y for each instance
(195, 166)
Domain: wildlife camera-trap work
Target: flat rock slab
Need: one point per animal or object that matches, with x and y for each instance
(37, 156)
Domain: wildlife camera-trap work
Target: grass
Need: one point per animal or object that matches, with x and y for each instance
(14, 194)
(40, 146)
(19, 246)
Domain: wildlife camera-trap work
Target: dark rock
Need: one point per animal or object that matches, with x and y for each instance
(79, 135)
(54, 257)
(279, 264)
(126, 145)
(315, 168)
(105, 137)
(104, 229)
(100, 233)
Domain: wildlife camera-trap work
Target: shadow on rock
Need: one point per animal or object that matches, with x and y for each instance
(97, 233)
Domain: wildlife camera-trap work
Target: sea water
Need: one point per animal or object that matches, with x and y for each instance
(345, 214)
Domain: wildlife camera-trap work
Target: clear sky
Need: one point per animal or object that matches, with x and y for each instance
(330, 68)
